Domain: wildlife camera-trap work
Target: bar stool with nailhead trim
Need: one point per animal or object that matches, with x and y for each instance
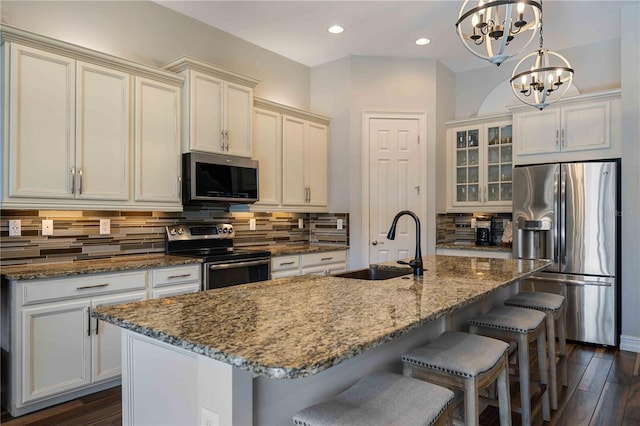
(467, 362)
(520, 326)
(382, 398)
(555, 309)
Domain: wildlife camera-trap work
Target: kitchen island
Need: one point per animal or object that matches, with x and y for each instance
(256, 353)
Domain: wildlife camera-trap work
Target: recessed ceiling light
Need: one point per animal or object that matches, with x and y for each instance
(335, 29)
(422, 41)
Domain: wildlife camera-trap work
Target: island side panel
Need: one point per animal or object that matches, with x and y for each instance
(164, 384)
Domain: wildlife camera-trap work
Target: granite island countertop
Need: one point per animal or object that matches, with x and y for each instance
(117, 263)
(295, 327)
(473, 246)
(282, 250)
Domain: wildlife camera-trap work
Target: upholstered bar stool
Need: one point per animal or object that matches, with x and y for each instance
(555, 309)
(520, 326)
(467, 362)
(383, 398)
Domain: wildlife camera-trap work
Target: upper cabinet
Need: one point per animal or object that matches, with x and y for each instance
(479, 165)
(217, 108)
(575, 129)
(291, 147)
(68, 130)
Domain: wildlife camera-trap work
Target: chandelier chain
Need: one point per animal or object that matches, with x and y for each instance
(541, 12)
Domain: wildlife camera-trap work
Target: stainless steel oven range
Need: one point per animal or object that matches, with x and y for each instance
(223, 265)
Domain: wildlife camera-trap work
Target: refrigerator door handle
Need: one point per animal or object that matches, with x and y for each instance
(563, 217)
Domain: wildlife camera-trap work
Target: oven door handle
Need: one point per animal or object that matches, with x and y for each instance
(239, 264)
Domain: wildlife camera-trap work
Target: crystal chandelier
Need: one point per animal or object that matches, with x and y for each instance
(489, 28)
(541, 77)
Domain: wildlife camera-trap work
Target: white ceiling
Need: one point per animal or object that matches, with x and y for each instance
(298, 29)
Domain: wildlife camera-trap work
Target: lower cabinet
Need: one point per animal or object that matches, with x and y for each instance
(53, 350)
(321, 263)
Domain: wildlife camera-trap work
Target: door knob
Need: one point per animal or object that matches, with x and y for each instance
(375, 242)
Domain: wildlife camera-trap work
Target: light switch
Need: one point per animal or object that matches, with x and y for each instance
(105, 226)
(300, 223)
(252, 224)
(47, 227)
(15, 228)
(340, 225)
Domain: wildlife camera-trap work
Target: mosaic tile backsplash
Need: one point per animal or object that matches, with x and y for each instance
(77, 233)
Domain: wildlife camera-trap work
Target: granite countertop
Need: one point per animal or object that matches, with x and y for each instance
(472, 246)
(113, 264)
(282, 250)
(295, 327)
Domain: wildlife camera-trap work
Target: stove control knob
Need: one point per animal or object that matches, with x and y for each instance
(230, 229)
(172, 231)
(180, 231)
(224, 231)
(219, 230)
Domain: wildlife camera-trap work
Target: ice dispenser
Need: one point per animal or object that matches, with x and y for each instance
(533, 239)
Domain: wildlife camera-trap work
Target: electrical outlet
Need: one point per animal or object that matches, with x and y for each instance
(15, 228)
(209, 418)
(473, 223)
(300, 223)
(340, 224)
(252, 224)
(105, 226)
(47, 227)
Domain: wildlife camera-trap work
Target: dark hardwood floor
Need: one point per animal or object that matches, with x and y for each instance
(604, 390)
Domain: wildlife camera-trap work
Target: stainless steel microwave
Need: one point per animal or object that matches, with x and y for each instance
(210, 178)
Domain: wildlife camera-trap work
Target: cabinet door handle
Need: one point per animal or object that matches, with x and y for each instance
(222, 140)
(286, 263)
(80, 177)
(86, 287)
(557, 136)
(73, 180)
(226, 133)
(180, 187)
(89, 321)
(97, 326)
(562, 138)
(173, 277)
(326, 258)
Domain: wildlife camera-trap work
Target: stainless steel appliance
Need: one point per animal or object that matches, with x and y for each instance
(567, 213)
(484, 231)
(210, 178)
(223, 265)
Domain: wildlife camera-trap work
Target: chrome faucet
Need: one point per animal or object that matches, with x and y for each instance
(416, 264)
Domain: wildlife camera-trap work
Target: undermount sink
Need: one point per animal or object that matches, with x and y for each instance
(375, 274)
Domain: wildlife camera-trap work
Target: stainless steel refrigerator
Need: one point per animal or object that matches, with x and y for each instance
(567, 213)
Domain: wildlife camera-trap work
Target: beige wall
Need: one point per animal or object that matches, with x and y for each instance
(151, 34)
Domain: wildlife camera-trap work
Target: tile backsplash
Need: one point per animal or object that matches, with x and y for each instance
(77, 233)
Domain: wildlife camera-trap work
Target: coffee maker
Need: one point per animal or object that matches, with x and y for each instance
(484, 231)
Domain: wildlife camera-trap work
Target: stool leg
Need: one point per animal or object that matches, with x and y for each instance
(551, 340)
(544, 378)
(504, 398)
(562, 341)
(471, 405)
(523, 367)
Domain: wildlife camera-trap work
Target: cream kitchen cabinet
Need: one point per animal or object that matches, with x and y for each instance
(304, 162)
(68, 128)
(574, 129)
(174, 280)
(56, 351)
(157, 143)
(67, 133)
(318, 263)
(479, 162)
(217, 108)
(291, 147)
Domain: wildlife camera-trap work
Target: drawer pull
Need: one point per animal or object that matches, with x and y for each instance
(86, 287)
(173, 277)
(326, 258)
(286, 263)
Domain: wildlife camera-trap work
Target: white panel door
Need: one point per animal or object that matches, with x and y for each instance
(394, 184)
(106, 356)
(293, 162)
(56, 349)
(267, 150)
(102, 133)
(317, 167)
(206, 113)
(41, 124)
(239, 101)
(157, 141)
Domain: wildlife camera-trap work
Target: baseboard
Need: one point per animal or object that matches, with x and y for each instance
(629, 343)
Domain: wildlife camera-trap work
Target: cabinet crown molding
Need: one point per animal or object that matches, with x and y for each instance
(184, 63)
(295, 112)
(480, 119)
(612, 94)
(26, 38)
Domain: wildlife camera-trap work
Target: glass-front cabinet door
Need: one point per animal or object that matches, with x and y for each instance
(499, 165)
(480, 166)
